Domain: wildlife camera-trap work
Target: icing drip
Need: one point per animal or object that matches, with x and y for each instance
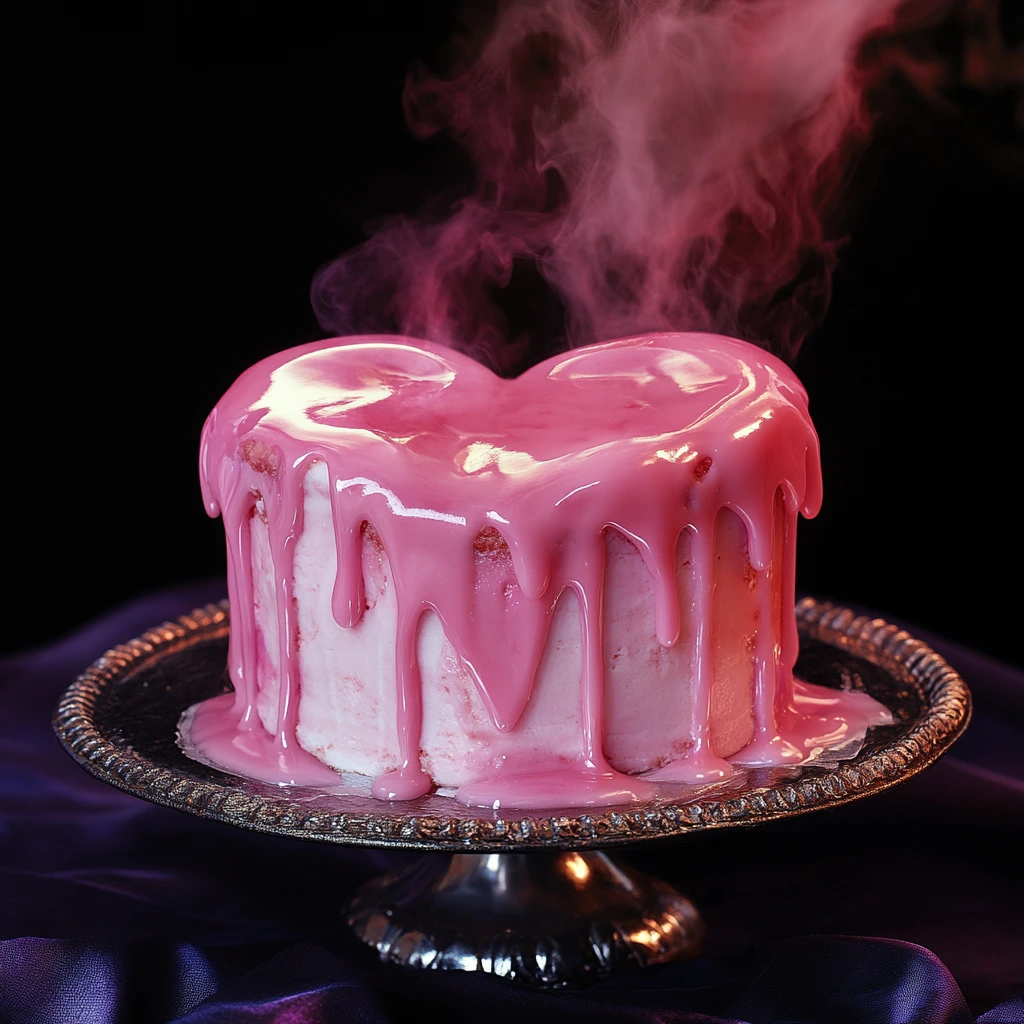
(491, 499)
(700, 765)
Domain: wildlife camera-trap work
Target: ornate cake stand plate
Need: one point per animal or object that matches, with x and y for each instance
(522, 895)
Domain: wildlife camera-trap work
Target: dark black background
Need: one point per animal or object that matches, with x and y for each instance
(177, 178)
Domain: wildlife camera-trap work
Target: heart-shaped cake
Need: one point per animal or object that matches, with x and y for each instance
(548, 591)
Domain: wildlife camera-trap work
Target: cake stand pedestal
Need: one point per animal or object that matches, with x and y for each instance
(550, 919)
(525, 895)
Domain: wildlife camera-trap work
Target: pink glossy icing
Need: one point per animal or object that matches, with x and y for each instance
(652, 435)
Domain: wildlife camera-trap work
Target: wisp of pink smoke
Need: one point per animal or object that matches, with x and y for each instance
(664, 165)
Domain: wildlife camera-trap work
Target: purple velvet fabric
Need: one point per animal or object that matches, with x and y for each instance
(907, 907)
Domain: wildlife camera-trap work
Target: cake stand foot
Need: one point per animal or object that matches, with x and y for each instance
(550, 920)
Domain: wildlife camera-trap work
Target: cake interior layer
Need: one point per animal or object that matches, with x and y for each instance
(348, 692)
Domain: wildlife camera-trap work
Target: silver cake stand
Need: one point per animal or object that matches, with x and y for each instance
(525, 896)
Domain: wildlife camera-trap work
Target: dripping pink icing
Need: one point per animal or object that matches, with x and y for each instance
(652, 435)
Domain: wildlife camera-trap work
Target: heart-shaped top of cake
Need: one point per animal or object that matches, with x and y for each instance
(651, 435)
(472, 446)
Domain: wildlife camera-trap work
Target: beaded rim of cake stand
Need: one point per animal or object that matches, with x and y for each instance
(113, 755)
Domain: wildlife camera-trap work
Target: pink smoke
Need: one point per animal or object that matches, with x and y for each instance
(664, 165)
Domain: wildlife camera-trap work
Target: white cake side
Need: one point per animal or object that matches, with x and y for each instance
(347, 712)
